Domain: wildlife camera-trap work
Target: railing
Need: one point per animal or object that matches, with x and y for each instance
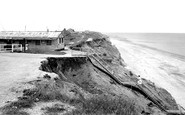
(11, 48)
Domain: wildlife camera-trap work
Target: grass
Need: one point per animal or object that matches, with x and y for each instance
(14, 112)
(101, 104)
(107, 105)
(14, 108)
(54, 110)
(43, 92)
(97, 105)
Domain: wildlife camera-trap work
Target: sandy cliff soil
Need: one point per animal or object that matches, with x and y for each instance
(95, 84)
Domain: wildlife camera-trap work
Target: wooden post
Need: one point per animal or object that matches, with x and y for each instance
(21, 47)
(24, 42)
(12, 47)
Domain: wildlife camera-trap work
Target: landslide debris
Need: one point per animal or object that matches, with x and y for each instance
(87, 87)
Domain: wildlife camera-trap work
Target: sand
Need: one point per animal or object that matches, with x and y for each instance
(165, 71)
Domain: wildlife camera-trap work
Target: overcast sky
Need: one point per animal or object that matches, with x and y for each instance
(96, 15)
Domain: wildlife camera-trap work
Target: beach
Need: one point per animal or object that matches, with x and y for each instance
(164, 69)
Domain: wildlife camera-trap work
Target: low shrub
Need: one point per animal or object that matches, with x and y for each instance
(107, 105)
(57, 108)
(13, 111)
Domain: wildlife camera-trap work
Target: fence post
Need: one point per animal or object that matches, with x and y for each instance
(12, 47)
(21, 47)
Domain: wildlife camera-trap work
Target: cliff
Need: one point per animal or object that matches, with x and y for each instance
(96, 83)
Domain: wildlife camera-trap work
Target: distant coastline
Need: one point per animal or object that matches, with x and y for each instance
(164, 68)
(134, 42)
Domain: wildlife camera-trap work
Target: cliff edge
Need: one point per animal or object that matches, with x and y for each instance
(95, 83)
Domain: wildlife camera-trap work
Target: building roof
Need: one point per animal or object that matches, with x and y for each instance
(29, 35)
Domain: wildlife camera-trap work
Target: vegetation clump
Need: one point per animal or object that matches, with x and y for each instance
(57, 108)
(104, 105)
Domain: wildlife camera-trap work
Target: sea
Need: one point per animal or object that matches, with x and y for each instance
(159, 57)
(173, 43)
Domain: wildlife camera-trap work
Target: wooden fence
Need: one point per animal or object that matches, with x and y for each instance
(11, 48)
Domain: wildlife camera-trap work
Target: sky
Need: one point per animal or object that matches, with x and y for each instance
(159, 16)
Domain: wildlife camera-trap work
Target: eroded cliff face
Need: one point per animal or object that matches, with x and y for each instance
(84, 84)
(82, 72)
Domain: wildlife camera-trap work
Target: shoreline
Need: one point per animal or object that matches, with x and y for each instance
(164, 70)
(181, 57)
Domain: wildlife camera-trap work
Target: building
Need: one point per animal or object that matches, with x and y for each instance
(31, 41)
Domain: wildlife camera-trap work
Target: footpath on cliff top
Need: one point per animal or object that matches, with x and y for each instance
(94, 81)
